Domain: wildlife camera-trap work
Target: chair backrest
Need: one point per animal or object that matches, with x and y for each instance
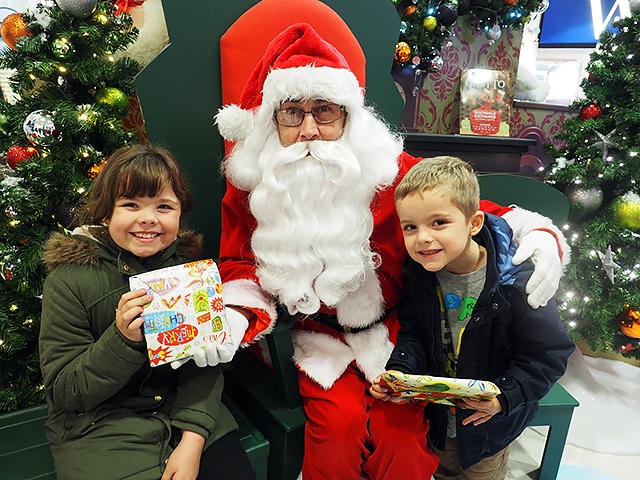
(525, 192)
(242, 45)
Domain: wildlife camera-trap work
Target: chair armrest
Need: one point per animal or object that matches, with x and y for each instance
(281, 352)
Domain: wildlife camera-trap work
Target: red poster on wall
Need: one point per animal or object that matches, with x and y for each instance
(484, 109)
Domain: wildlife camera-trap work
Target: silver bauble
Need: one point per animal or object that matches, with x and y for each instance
(436, 64)
(634, 6)
(40, 129)
(78, 8)
(494, 33)
(584, 200)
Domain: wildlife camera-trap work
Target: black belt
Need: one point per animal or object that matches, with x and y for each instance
(327, 319)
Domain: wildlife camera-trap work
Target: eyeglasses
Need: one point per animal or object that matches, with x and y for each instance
(294, 116)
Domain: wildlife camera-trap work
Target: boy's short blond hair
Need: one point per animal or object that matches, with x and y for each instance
(451, 175)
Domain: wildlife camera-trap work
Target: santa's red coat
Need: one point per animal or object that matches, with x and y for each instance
(321, 351)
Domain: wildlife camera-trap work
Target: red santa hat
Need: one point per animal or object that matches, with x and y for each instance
(298, 64)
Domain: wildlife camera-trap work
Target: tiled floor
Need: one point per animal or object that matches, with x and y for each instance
(603, 439)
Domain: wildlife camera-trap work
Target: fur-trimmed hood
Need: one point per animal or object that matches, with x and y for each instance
(92, 245)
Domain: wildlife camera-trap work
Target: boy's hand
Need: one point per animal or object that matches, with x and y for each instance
(129, 314)
(379, 389)
(184, 461)
(485, 409)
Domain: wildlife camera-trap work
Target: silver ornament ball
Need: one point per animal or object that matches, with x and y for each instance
(39, 128)
(436, 64)
(78, 8)
(584, 200)
(494, 33)
(634, 6)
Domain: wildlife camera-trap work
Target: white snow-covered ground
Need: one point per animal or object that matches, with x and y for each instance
(603, 441)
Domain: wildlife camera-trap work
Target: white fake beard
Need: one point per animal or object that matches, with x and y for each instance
(312, 207)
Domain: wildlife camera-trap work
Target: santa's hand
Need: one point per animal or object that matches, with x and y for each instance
(223, 353)
(213, 354)
(199, 356)
(541, 247)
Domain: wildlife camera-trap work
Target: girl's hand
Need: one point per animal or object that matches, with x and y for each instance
(129, 314)
(184, 461)
(485, 409)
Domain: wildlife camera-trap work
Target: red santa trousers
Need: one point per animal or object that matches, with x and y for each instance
(350, 435)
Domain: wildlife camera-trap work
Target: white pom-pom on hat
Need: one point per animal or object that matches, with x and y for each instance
(234, 123)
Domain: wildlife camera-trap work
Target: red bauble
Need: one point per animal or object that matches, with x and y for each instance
(510, 2)
(590, 111)
(17, 153)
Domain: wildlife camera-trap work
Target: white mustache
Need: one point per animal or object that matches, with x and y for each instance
(326, 153)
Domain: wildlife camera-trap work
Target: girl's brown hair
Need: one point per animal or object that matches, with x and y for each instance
(134, 171)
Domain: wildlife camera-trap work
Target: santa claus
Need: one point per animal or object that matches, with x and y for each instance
(310, 231)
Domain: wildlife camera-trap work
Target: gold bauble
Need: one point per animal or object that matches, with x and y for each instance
(629, 321)
(94, 170)
(14, 27)
(403, 52)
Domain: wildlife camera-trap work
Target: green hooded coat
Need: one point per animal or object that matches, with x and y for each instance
(112, 416)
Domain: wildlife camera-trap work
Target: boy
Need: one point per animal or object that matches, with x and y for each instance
(465, 314)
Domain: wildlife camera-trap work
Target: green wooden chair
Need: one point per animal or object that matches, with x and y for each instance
(25, 452)
(525, 192)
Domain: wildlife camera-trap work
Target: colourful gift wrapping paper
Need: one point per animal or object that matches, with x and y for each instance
(438, 389)
(186, 312)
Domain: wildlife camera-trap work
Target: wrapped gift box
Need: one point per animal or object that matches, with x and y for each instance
(187, 310)
(438, 389)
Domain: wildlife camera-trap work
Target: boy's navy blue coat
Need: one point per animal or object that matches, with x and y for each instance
(521, 349)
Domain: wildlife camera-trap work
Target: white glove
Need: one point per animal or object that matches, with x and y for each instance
(541, 247)
(213, 354)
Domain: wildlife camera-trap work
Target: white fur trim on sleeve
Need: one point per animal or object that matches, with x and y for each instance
(247, 293)
(524, 221)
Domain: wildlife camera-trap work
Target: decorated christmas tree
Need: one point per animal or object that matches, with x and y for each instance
(598, 169)
(426, 25)
(72, 94)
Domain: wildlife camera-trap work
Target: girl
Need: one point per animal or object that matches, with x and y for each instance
(112, 416)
